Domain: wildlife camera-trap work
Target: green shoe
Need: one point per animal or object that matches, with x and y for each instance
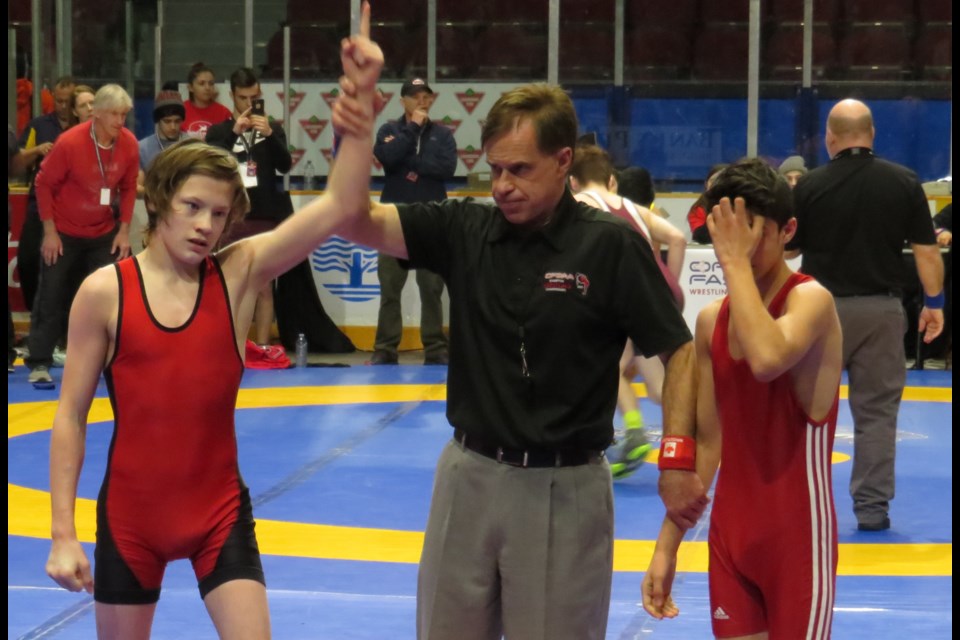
(633, 453)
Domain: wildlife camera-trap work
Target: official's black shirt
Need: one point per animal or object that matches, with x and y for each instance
(538, 321)
(854, 215)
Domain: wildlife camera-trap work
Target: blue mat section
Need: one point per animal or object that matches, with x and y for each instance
(372, 465)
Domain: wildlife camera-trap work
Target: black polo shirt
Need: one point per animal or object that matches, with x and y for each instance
(538, 321)
(854, 215)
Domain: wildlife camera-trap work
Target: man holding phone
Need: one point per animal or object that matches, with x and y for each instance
(262, 153)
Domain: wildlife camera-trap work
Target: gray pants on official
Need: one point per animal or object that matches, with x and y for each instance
(873, 355)
(525, 553)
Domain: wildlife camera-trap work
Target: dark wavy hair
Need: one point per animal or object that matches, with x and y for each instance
(764, 190)
(635, 184)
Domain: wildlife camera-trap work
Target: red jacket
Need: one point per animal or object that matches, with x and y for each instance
(69, 182)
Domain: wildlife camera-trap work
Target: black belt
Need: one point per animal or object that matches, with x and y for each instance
(528, 457)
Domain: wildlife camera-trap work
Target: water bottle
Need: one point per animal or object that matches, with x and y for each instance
(301, 351)
(309, 177)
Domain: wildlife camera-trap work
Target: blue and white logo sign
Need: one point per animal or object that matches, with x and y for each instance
(337, 258)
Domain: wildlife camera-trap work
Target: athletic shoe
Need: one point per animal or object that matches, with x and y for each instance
(383, 357)
(633, 453)
(40, 378)
(441, 358)
(881, 525)
(59, 357)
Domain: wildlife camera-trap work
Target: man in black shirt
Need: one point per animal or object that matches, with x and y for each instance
(260, 147)
(544, 292)
(855, 215)
(36, 141)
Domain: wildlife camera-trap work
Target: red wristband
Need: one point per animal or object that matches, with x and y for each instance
(678, 452)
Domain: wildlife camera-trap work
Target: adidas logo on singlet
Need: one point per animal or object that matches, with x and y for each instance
(720, 614)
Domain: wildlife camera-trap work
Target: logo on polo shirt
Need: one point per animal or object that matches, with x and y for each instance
(720, 614)
(560, 281)
(583, 283)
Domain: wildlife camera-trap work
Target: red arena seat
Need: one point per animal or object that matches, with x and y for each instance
(511, 52)
(934, 52)
(720, 52)
(652, 53)
(781, 11)
(586, 51)
(657, 13)
(783, 55)
(875, 52)
(879, 10)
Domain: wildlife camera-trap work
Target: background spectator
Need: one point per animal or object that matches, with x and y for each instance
(261, 150)
(202, 109)
(854, 216)
(792, 169)
(89, 168)
(418, 155)
(36, 141)
(82, 103)
(697, 216)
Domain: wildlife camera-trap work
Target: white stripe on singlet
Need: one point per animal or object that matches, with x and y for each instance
(827, 528)
(821, 526)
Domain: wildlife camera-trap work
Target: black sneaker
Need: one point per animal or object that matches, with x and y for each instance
(882, 525)
(383, 357)
(437, 358)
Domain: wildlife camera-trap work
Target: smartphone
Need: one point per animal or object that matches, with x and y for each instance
(258, 107)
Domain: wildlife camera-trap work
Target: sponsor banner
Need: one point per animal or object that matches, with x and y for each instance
(702, 280)
(458, 106)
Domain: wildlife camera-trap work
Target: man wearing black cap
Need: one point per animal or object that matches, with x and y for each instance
(168, 115)
(417, 157)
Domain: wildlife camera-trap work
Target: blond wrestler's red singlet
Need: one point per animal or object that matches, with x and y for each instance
(172, 487)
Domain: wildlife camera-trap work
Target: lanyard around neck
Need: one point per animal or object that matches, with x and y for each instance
(96, 152)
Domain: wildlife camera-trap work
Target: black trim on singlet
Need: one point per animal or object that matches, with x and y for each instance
(226, 297)
(239, 557)
(127, 589)
(116, 337)
(146, 301)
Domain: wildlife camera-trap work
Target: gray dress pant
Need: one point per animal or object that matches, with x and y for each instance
(873, 355)
(523, 553)
(390, 319)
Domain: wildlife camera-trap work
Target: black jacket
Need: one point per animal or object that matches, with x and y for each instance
(268, 200)
(416, 160)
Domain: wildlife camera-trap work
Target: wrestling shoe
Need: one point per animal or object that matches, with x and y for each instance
(633, 452)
